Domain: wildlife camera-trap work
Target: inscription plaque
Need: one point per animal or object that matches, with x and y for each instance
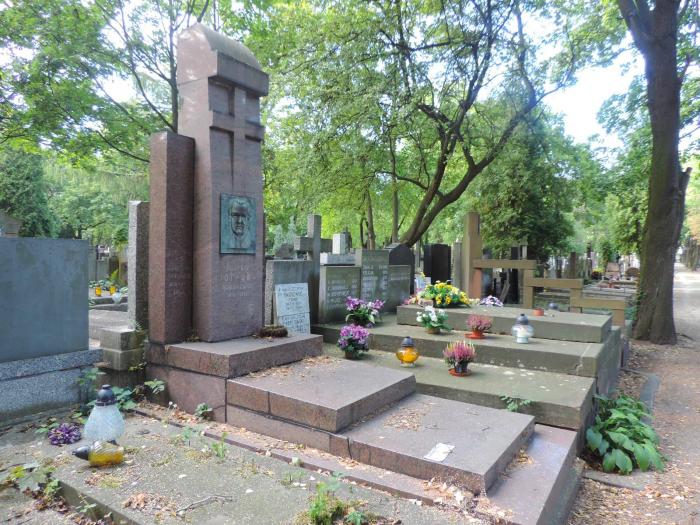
(292, 307)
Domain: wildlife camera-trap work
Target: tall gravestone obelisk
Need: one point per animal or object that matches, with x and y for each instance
(222, 76)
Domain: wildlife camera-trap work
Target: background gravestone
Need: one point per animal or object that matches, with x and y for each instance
(336, 284)
(400, 279)
(284, 271)
(437, 262)
(292, 307)
(40, 324)
(401, 255)
(375, 273)
(137, 268)
(222, 75)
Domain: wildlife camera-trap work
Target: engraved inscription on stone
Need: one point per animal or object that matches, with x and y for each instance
(292, 307)
(375, 274)
(337, 283)
(238, 224)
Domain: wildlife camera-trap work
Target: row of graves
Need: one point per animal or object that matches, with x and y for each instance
(510, 430)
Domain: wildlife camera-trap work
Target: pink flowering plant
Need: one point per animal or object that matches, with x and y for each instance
(479, 323)
(363, 313)
(459, 354)
(353, 340)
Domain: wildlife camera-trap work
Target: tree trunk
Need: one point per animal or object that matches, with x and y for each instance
(394, 194)
(371, 236)
(667, 183)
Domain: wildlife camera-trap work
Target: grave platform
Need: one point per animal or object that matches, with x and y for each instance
(562, 326)
(596, 360)
(485, 440)
(322, 403)
(555, 399)
(329, 395)
(196, 372)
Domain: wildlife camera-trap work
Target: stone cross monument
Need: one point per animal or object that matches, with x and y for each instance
(222, 75)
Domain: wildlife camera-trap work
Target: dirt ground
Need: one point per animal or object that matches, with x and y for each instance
(673, 495)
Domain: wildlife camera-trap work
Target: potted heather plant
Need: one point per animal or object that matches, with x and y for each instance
(478, 324)
(458, 355)
(353, 341)
(363, 313)
(432, 319)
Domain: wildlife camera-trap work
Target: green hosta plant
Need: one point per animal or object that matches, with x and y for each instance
(621, 438)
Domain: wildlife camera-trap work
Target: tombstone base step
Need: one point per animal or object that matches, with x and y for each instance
(485, 440)
(326, 393)
(554, 399)
(235, 357)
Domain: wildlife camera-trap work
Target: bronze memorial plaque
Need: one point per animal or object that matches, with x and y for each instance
(238, 224)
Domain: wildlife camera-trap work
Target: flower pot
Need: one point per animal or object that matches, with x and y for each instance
(433, 330)
(354, 356)
(463, 373)
(475, 334)
(538, 312)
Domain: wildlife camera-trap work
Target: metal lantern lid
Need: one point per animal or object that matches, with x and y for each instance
(407, 342)
(522, 319)
(105, 396)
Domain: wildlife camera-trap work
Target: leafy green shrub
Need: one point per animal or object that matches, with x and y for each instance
(621, 438)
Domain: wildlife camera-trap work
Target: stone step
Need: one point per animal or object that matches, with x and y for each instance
(597, 360)
(540, 488)
(197, 372)
(485, 440)
(561, 326)
(235, 357)
(328, 394)
(555, 399)
(397, 439)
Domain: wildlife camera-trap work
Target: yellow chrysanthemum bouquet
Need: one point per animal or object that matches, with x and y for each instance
(444, 295)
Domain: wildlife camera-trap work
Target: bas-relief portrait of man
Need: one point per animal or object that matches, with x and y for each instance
(238, 224)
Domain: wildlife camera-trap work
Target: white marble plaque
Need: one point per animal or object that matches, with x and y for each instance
(292, 307)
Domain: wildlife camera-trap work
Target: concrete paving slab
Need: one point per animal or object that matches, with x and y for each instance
(561, 326)
(235, 357)
(171, 482)
(485, 440)
(328, 394)
(555, 399)
(569, 357)
(541, 487)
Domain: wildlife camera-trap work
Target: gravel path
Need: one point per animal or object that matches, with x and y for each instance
(673, 496)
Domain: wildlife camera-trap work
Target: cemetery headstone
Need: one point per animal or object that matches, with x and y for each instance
(222, 75)
(44, 336)
(437, 262)
(400, 279)
(287, 271)
(375, 273)
(170, 238)
(341, 243)
(456, 265)
(292, 307)
(337, 283)
(402, 255)
(137, 267)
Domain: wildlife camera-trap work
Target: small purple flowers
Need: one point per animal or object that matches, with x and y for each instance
(64, 434)
(353, 340)
(363, 313)
(490, 301)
